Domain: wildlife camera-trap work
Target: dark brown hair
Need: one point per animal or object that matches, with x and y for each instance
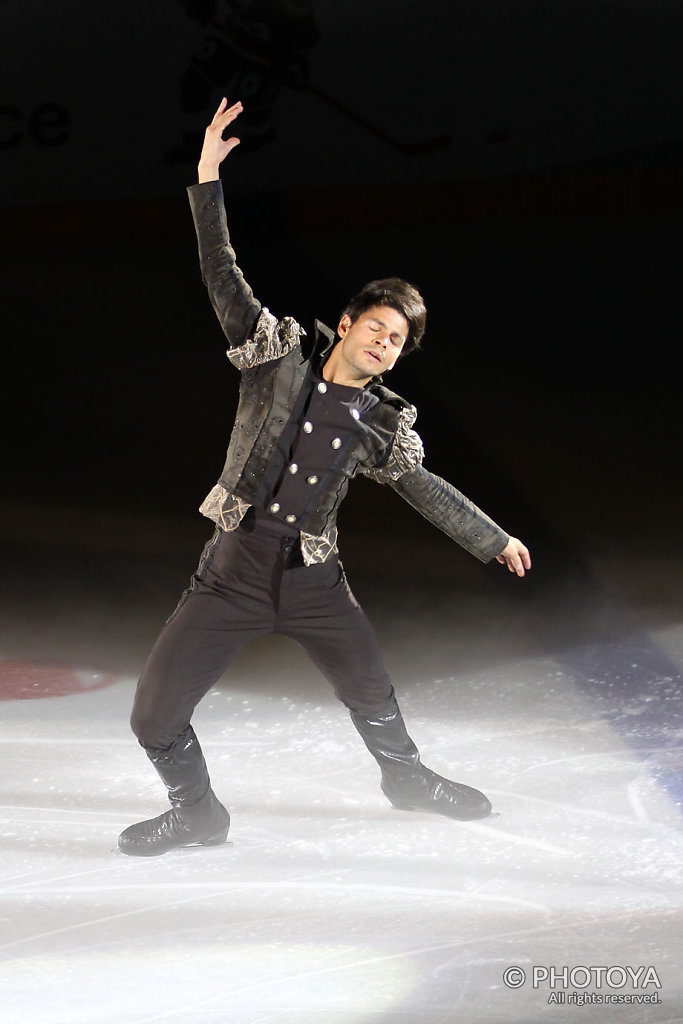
(399, 295)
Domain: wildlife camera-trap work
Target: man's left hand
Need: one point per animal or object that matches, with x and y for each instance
(516, 556)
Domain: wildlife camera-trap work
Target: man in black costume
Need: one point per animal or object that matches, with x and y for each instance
(308, 420)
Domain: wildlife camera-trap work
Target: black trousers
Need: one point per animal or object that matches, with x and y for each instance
(250, 582)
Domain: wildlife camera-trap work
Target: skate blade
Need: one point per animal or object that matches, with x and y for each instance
(200, 844)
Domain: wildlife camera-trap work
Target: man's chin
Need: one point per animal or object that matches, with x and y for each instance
(374, 361)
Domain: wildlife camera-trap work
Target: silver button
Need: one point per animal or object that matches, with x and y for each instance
(294, 468)
(290, 519)
(336, 442)
(308, 427)
(275, 507)
(322, 387)
(355, 414)
(312, 479)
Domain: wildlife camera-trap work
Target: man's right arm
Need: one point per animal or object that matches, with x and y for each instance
(231, 297)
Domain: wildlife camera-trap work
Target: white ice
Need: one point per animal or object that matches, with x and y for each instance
(327, 905)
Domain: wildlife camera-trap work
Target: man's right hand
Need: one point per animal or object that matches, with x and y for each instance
(215, 148)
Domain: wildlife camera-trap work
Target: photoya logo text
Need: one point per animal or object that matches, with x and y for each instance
(582, 977)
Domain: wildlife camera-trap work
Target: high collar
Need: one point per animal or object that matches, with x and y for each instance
(323, 343)
(324, 340)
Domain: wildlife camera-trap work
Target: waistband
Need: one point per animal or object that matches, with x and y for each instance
(289, 538)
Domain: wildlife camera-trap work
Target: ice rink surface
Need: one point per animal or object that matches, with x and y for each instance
(327, 906)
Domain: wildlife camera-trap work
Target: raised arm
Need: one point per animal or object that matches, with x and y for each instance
(231, 297)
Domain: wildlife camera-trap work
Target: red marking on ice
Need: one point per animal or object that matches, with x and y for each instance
(24, 680)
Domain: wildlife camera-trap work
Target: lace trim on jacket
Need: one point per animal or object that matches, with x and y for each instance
(224, 508)
(407, 450)
(318, 549)
(272, 338)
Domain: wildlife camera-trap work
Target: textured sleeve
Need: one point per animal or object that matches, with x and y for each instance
(231, 297)
(450, 511)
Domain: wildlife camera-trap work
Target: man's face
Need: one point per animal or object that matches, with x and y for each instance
(372, 344)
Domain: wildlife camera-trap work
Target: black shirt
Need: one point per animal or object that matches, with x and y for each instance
(330, 423)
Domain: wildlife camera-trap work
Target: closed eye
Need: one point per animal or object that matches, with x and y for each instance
(376, 326)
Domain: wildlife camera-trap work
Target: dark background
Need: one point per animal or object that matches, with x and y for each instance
(523, 167)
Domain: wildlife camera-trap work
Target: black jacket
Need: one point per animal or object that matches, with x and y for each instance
(279, 368)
